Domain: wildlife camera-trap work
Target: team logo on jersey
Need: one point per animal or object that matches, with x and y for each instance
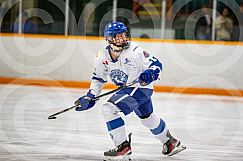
(146, 54)
(118, 77)
(128, 62)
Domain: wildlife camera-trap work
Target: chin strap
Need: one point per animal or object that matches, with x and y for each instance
(119, 48)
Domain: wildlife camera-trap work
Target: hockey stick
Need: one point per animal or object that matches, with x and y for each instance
(96, 98)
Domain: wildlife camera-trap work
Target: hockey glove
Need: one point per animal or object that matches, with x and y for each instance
(148, 76)
(85, 102)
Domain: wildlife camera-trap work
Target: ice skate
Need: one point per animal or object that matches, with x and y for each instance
(122, 152)
(172, 146)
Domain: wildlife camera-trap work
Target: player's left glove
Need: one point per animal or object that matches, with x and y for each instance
(148, 76)
(85, 102)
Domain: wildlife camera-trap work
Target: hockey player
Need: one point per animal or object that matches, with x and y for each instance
(125, 61)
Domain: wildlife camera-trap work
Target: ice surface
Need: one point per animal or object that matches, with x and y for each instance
(210, 126)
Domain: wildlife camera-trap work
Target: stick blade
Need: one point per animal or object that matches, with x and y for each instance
(51, 118)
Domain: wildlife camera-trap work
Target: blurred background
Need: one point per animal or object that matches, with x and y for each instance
(57, 39)
(152, 19)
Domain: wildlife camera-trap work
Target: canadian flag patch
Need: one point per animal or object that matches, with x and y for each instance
(105, 62)
(146, 54)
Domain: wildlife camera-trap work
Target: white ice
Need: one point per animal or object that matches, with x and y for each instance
(210, 126)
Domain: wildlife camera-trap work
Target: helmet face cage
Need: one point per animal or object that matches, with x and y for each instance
(120, 39)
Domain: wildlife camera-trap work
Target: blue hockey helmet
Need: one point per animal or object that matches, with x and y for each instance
(116, 34)
(112, 29)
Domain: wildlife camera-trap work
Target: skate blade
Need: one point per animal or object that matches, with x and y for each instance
(119, 158)
(177, 150)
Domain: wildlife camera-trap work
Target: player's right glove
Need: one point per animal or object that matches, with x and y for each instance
(148, 76)
(85, 102)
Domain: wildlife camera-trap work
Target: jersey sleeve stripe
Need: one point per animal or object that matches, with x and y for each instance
(99, 79)
(156, 64)
(135, 48)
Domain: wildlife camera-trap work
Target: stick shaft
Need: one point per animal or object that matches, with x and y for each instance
(65, 110)
(96, 98)
(117, 89)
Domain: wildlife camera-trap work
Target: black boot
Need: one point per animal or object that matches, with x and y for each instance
(122, 151)
(172, 146)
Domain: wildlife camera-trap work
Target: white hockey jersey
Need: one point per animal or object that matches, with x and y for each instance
(129, 65)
